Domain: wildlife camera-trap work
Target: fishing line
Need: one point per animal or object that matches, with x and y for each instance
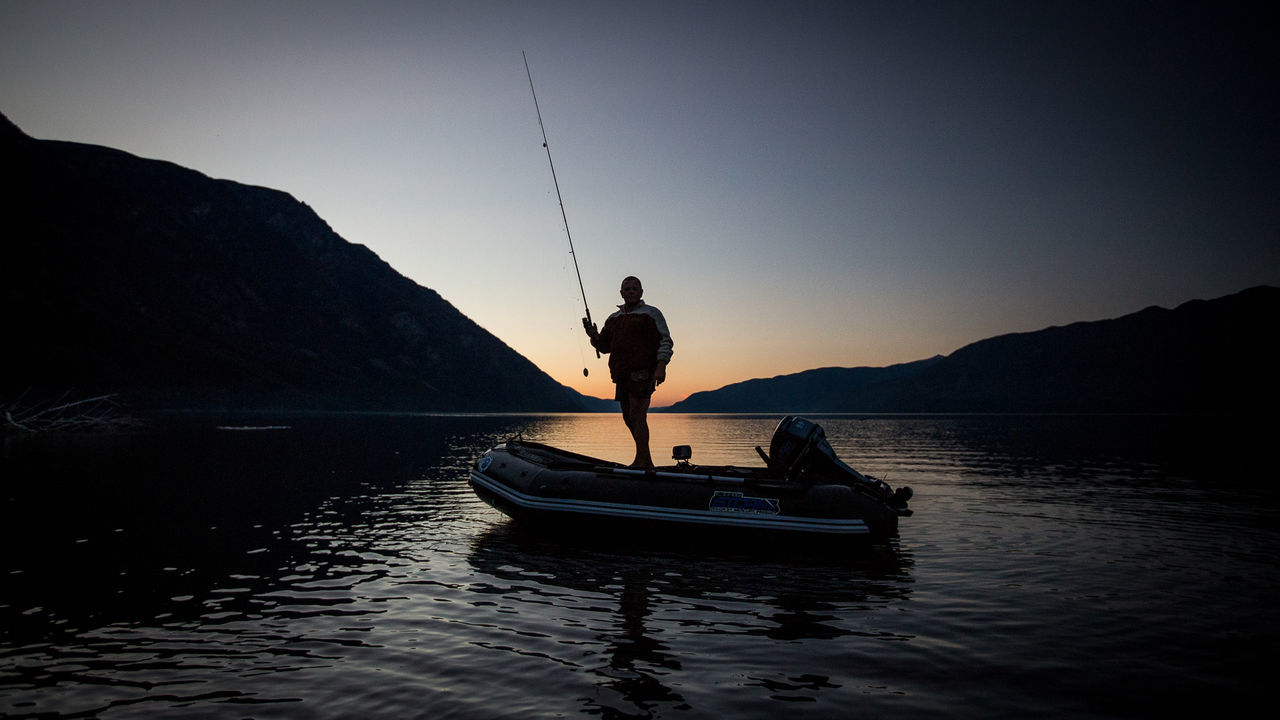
(556, 182)
(573, 331)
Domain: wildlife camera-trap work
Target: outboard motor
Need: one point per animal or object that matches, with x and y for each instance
(799, 451)
(790, 441)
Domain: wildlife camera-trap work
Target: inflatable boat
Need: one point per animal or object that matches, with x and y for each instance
(802, 491)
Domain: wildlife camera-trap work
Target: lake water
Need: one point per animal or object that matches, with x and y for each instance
(339, 566)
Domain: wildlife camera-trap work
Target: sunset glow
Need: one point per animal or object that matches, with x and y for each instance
(798, 185)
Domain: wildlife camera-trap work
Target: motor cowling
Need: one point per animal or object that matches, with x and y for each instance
(902, 496)
(799, 451)
(791, 443)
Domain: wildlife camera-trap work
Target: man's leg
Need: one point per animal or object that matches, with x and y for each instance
(635, 413)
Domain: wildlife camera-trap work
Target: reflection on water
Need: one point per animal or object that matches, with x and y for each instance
(604, 436)
(340, 566)
(644, 588)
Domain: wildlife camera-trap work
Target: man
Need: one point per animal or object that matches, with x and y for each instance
(639, 347)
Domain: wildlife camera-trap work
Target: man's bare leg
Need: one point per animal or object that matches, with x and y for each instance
(635, 410)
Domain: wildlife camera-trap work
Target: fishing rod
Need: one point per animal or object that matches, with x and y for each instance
(556, 182)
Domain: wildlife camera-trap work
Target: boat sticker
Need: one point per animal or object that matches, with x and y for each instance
(485, 462)
(726, 501)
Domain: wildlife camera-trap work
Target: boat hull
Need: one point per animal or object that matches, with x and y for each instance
(539, 484)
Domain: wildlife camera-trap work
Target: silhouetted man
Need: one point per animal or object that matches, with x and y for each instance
(639, 347)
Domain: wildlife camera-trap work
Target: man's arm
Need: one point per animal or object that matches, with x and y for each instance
(665, 346)
(600, 339)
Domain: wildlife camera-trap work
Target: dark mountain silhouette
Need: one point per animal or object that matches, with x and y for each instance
(122, 274)
(1212, 356)
(822, 390)
(140, 277)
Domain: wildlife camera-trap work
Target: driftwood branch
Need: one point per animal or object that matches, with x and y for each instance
(61, 415)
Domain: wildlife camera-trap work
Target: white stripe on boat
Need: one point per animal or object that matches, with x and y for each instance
(836, 526)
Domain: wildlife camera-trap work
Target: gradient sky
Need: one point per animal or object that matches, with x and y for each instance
(798, 184)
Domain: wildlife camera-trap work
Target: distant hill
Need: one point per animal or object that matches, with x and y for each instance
(122, 274)
(830, 389)
(595, 404)
(140, 277)
(1215, 356)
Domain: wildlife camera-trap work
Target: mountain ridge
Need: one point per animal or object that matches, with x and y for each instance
(1202, 356)
(146, 278)
(141, 277)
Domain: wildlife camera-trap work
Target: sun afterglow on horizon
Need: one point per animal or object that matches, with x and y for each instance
(798, 186)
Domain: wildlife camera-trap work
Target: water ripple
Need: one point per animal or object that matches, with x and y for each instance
(342, 567)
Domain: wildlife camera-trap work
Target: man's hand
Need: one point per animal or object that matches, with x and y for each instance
(590, 328)
(660, 373)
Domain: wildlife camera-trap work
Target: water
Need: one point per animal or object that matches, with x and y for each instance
(341, 567)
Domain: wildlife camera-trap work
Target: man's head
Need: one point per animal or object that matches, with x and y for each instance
(631, 291)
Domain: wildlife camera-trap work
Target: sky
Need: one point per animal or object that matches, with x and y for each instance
(797, 184)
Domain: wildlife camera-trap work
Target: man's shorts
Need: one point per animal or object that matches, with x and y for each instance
(637, 383)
